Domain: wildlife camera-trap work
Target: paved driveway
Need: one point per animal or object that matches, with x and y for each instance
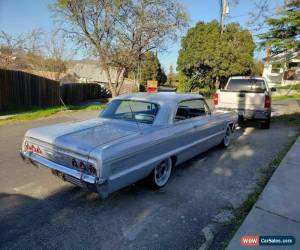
(39, 211)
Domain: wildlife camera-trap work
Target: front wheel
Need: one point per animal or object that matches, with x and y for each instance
(160, 175)
(227, 138)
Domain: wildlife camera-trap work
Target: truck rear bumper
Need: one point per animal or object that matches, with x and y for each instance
(255, 114)
(251, 114)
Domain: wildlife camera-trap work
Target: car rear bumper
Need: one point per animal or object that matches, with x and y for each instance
(70, 173)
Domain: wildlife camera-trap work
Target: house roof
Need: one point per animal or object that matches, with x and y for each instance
(286, 56)
(91, 71)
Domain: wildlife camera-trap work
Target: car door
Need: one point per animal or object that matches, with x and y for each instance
(192, 125)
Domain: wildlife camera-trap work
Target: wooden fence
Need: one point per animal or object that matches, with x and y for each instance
(74, 93)
(21, 89)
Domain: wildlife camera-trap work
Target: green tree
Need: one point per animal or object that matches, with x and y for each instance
(258, 68)
(161, 75)
(284, 30)
(151, 69)
(207, 56)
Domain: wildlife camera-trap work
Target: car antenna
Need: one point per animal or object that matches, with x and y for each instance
(137, 124)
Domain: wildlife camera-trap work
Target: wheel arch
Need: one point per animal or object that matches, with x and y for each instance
(174, 159)
(231, 125)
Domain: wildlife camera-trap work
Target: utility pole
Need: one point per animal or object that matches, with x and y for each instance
(224, 11)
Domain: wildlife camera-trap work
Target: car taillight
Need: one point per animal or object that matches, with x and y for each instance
(267, 101)
(84, 166)
(92, 170)
(33, 148)
(216, 99)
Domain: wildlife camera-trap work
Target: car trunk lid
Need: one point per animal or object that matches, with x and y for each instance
(82, 137)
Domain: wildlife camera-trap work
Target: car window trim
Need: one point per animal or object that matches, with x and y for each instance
(189, 119)
(135, 100)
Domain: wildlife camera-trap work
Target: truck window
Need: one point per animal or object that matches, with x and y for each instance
(247, 85)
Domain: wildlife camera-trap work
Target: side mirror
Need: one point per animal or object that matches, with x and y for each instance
(273, 89)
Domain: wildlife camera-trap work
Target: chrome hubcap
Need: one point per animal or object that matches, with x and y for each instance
(162, 172)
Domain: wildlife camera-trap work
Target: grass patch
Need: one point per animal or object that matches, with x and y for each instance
(286, 97)
(32, 113)
(293, 119)
(86, 107)
(21, 110)
(292, 86)
(243, 211)
(29, 114)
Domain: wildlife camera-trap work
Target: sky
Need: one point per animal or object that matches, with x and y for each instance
(20, 16)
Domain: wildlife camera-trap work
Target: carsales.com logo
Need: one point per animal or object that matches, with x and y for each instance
(255, 240)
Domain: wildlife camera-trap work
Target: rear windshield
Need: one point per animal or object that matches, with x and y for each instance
(247, 85)
(131, 110)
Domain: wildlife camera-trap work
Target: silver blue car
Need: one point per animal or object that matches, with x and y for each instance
(137, 136)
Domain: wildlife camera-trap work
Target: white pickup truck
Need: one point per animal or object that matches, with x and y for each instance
(250, 97)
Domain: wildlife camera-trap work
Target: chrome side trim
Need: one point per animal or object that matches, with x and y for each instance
(40, 161)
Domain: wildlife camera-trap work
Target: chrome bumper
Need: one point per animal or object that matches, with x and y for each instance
(250, 114)
(40, 161)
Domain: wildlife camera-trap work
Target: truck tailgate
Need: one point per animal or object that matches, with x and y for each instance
(241, 100)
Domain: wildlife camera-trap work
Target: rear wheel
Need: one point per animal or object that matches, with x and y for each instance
(266, 124)
(160, 175)
(227, 138)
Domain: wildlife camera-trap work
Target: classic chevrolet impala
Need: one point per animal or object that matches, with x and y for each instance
(137, 136)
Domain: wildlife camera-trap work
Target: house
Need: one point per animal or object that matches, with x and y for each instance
(283, 68)
(89, 71)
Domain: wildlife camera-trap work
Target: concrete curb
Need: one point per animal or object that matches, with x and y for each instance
(277, 210)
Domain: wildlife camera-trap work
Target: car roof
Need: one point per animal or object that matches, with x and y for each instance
(167, 101)
(160, 97)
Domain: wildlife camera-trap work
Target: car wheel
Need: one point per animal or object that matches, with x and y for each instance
(266, 124)
(227, 138)
(241, 120)
(160, 175)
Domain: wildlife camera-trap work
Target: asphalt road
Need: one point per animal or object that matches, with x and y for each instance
(38, 211)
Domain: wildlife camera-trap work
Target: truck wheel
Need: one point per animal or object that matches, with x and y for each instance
(240, 120)
(160, 174)
(266, 124)
(227, 138)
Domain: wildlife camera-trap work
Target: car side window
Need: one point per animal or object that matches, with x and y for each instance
(190, 109)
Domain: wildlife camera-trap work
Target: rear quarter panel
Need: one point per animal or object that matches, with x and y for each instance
(134, 159)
